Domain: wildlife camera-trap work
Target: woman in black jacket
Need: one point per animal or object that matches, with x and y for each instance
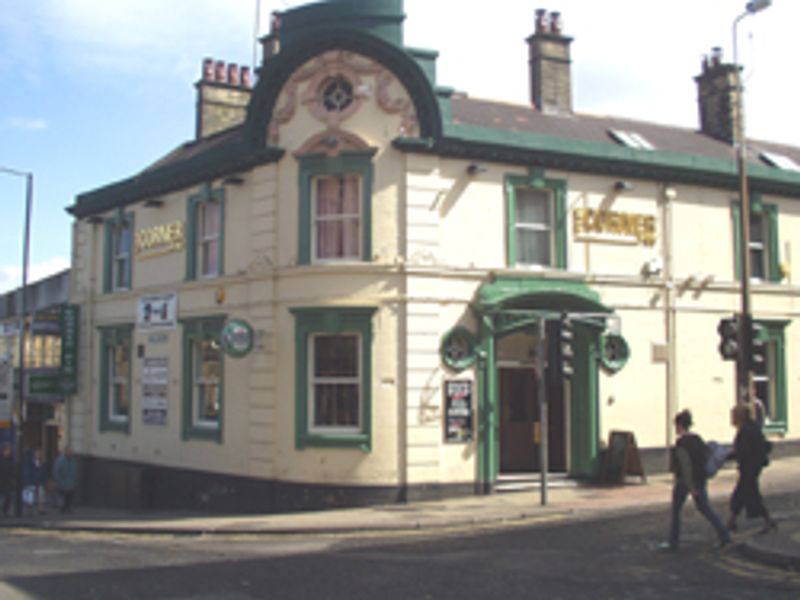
(751, 451)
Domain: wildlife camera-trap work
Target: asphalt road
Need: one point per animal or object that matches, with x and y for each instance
(609, 558)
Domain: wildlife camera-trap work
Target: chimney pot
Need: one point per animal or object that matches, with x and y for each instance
(208, 69)
(542, 24)
(716, 56)
(233, 74)
(219, 71)
(556, 23)
(246, 78)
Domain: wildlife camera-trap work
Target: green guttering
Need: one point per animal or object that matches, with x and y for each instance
(218, 161)
(511, 147)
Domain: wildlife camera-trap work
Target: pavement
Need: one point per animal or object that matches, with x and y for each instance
(566, 501)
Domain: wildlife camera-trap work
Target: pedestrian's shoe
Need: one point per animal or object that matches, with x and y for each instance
(770, 525)
(731, 525)
(724, 543)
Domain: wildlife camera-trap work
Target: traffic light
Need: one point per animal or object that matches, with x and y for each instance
(566, 342)
(728, 330)
(758, 348)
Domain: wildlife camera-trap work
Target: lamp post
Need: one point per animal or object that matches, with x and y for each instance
(744, 376)
(22, 311)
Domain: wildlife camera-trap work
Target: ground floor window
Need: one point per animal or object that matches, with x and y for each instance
(115, 378)
(333, 376)
(769, 377)
(203, 378)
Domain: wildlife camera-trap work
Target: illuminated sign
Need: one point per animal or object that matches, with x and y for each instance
(159, 240)
(608, 225)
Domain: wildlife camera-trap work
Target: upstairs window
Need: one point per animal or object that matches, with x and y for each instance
(536, 221)
(335, 207)
(337, 218)
(205, 233)
(118, 255)
(764, 240)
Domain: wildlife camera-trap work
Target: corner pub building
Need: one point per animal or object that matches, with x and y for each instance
(332, 295)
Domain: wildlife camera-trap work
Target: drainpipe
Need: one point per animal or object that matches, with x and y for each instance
(670, 313)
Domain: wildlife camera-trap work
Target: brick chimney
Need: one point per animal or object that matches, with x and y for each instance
(223, 94)
(551, 80)
(717, 96)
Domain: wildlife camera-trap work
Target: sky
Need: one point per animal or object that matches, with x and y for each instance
(95, 90)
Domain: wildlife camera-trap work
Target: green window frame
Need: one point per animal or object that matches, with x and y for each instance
(768, 243)
(770, 379)
(197, 207)
(315, 166)
(114, 339)
(202, 341)
(117, 259)
(557, 191)
(311, 322)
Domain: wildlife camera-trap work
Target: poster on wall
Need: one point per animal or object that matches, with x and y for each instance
(155, 385)
(458, 410)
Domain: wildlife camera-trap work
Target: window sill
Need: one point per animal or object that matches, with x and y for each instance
(211, 434)
(354, 441)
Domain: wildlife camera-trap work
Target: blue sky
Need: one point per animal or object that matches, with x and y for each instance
(95, 90)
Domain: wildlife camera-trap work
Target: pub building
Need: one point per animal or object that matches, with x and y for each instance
(349, 288)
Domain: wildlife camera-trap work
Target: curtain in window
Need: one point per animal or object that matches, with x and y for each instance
(338, 217)
(336, 387)
(208, 371)
(120, 388)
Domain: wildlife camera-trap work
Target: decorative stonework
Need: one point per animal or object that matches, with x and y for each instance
(335, 86)
(331, 143)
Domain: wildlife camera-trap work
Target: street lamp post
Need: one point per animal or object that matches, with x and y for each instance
(744, 376)
(22, 312)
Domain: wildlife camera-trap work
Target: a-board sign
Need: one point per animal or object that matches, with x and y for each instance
(621, 458)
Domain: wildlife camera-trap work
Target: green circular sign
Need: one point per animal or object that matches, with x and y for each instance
(614, 353)
(237, 338)
(458, 348)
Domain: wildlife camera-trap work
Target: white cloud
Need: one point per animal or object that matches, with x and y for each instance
(11, 275)
(25, 123)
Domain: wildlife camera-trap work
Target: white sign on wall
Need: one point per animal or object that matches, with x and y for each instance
(159, 311)
(155, 390)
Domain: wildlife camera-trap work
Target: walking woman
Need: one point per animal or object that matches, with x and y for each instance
(751, 451)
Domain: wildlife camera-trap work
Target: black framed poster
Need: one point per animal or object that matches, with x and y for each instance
(458, 410)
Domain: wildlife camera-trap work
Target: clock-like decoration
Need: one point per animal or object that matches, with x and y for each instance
(458, 348)
(615, 352)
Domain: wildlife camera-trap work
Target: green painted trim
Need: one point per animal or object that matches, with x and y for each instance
(773, 244)
(200, 329)
(488, 407)
(774, 332)
(585, 404)
(505, 292)
(309, 320)
(458, 364)
(736, 217)
(315, 165)
(112, 336)
(108, 242)
(558, 187)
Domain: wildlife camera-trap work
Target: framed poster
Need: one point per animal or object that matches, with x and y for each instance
(458, 410)
(157, 312)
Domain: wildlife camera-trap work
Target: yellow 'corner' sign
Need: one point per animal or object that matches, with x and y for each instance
(159, 240)
(608, 225)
